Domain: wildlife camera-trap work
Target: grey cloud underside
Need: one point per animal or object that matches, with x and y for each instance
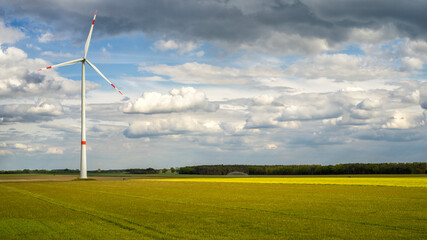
(423, 96)
(408, 16)
(44, 110)
(34, 84)
(391, 135)
(232, 22)
(178, 100)
(19, 79)
(306, 119)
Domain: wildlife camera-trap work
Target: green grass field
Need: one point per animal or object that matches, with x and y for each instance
(217, 208)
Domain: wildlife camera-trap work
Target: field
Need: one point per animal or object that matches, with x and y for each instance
(361, 181)
(356, 207)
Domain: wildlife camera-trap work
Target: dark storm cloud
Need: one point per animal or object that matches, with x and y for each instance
(232, 22)
(408, 16)
(207, 20)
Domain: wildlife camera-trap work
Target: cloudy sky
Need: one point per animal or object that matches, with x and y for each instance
(214, 82)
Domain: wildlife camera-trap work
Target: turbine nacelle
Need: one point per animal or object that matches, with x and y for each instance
(84, 59)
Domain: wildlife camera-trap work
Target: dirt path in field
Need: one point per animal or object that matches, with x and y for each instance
(11, 178)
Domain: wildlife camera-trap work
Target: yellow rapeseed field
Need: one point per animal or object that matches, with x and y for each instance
(364, 181)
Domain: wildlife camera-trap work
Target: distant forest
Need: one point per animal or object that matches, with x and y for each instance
(77, 171)
(348, 168)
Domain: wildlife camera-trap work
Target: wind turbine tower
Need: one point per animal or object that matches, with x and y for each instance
(83, 163)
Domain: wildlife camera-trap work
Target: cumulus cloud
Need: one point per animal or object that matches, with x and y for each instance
(334, 109)
(283, 43)
(4, 152)
(43, 110)
(18, 79)
(407, 92)
(200, 53)
(20, 146)
(60, 54)
(369, 104)
(67, 127)
(331, 67)
(265, 121)
(54, 150)
(271, 146)
(181, 47)
(289, 110)
(411, 63)
(415, 48)
(364, 110)
(311, 106)
(390, 135)
(172, 126)
(309, 112)
(343, 67)
(233, 128)
(25, 147)
(8, 34)
(403, 120)
(256, 120)
(46, 37)
(47, 107)
(328, 66)
(268, 117)
(263, 99)
(199, 73)
(178, 100)
(372, 35)
(29, 45)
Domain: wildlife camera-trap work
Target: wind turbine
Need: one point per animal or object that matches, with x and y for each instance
(83, 164)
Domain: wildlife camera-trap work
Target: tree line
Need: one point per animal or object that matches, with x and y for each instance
(41, 171)
(347, 168)
(77, 171)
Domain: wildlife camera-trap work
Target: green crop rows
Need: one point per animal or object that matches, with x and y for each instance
(209, 210)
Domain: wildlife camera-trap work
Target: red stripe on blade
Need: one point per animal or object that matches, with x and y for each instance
(93, 22)
(49, 67)
(83, 142)
(113, 85)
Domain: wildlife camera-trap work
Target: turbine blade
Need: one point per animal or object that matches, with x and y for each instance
(89, 36)
(102, 75)
(62, 64)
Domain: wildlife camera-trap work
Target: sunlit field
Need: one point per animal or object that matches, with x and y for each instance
(217, 208)
(346, 180)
